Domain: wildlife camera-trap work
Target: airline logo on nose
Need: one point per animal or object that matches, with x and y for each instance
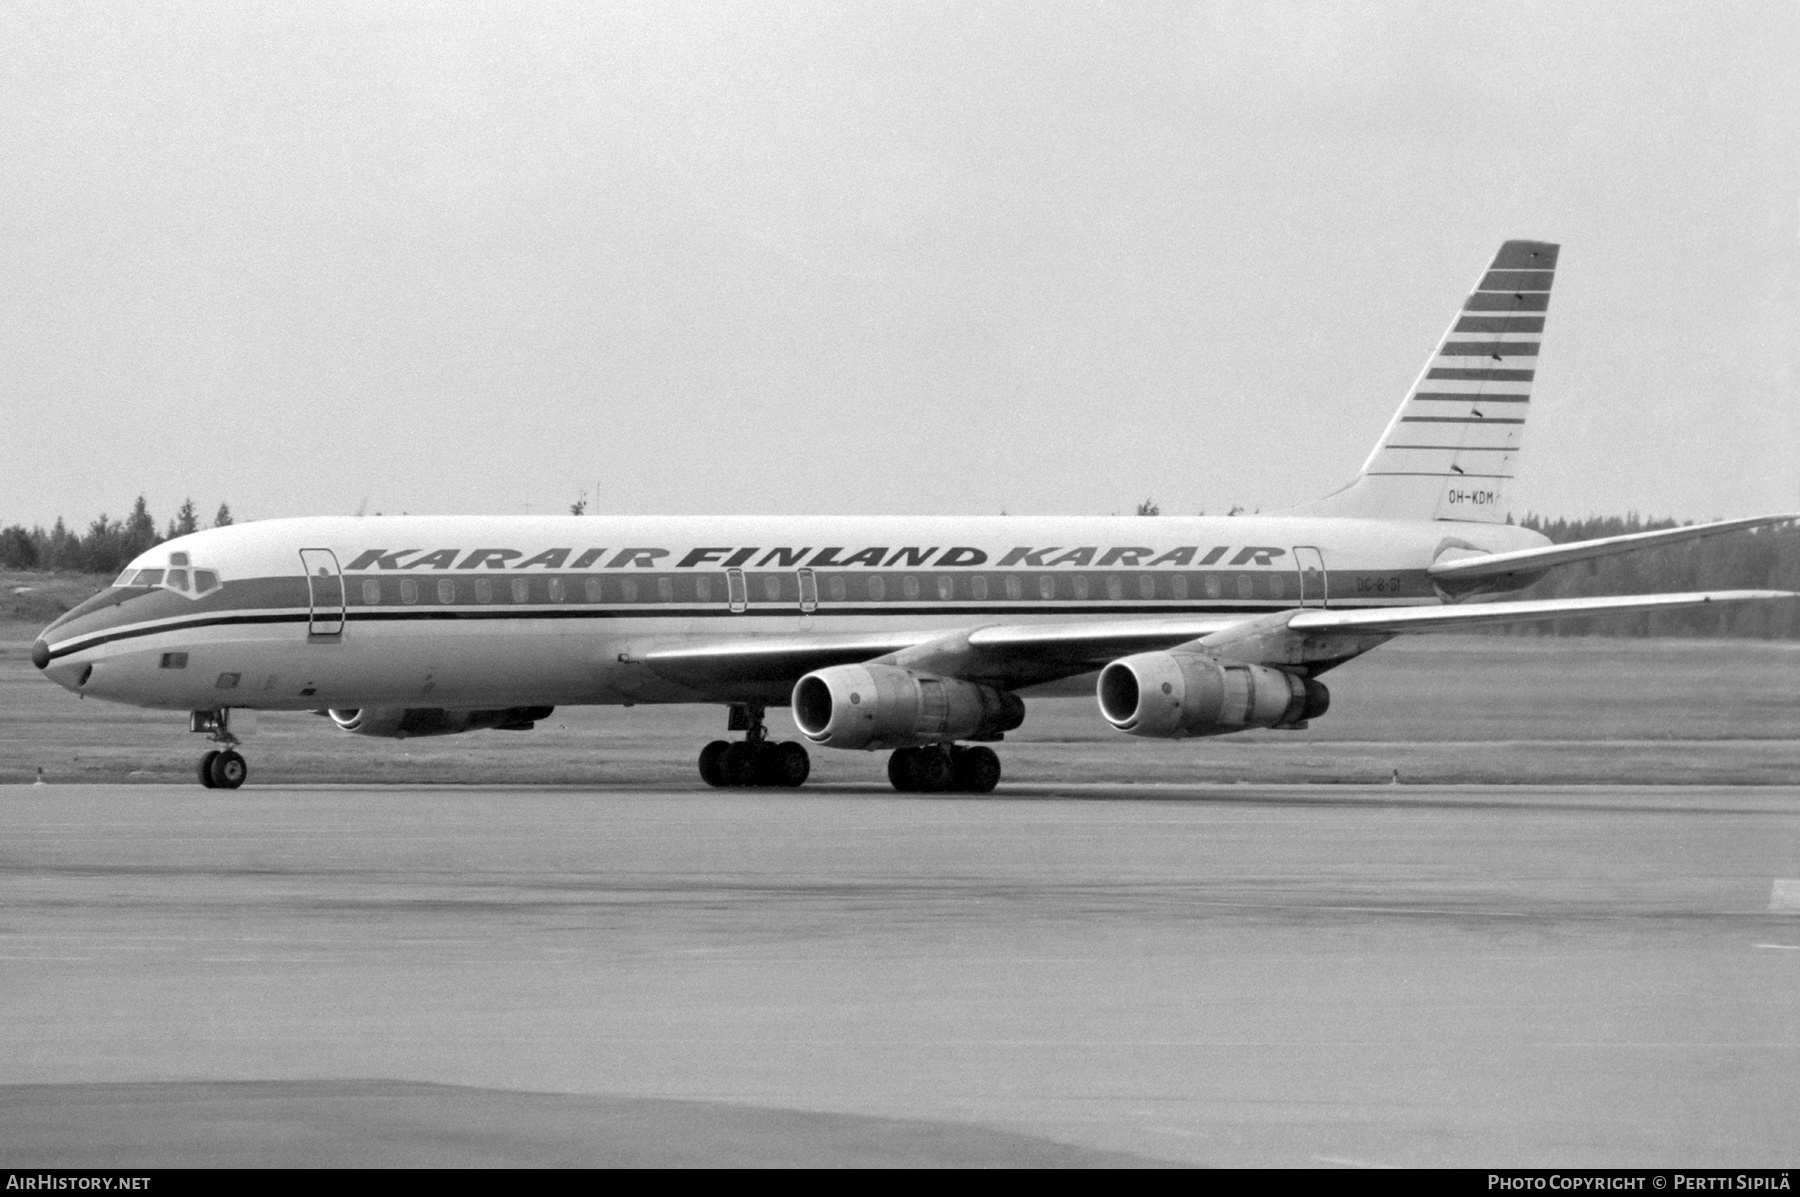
(828, 557)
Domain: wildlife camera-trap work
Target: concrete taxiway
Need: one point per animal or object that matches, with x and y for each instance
(1055, 974)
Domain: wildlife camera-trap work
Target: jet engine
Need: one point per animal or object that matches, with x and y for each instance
(885, 706)
(1172, 695)
(400, 723)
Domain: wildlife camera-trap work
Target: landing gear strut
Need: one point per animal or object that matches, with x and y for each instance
(941, 768)
(219, 770)
(754, 760)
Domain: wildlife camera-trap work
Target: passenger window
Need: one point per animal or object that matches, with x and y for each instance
(1213, 588)
(1276, 589)
(1078, 586)
(484, 590)
(205, 581)
(1115, 586)
(665, 588)
(409, 590)
(835, 587)
(1014, 587)
(521, 590)
(149, 577)
(371, 591)
(628, 589)
(556, 590)
(909, 586)
(877, 587)
(592, 587)
(446, 590)
(978, 586)
(177, 579)
(702, 588)
(1178, 584)
(1245, 587)
(1147, 585)
(772, 587)
(1047, 585)
(946, 587)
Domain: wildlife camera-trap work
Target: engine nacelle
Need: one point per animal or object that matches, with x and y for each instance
(1172, 695)
(400, 723)
(885, 706)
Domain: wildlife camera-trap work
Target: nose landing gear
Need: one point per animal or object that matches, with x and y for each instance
(943, 768)
(219, 770)
(223, 770)
(755, 760)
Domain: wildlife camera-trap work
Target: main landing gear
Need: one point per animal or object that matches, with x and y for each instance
(219, 769)
(754, 760)
(942, 768)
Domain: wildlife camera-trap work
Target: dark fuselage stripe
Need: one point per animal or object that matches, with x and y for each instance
(675, 611)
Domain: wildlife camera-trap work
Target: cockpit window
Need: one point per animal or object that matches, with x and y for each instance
(191, 582)
(178, 558)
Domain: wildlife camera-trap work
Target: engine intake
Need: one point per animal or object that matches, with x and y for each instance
(1172, 695)
(885, 706)
(401, 723)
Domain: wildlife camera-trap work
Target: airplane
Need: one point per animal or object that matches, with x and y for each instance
(917, 636)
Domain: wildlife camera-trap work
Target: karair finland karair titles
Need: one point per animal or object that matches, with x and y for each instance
(919, 637)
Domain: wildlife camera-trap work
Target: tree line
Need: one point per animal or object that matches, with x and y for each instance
(107, 546)
(1758, 559)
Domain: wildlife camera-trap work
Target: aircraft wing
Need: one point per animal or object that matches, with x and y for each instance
(1395, 621)
(1017, 655)
(1492, 566)
(1008, 653)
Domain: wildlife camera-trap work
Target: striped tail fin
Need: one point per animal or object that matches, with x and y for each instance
(1451, 450)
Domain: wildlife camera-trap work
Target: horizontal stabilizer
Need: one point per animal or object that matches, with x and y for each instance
(1467, 615)
(1531, 561)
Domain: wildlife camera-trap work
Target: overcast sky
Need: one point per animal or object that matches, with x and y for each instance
(858, 257)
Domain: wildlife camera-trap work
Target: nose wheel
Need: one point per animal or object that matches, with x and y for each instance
(223, 770)
(755, 760)
(944, 768)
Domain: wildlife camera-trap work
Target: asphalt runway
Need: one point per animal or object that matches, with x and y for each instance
(1060, 975)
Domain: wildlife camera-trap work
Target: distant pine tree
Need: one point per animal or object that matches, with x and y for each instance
(223, 518)
(139, 531)
(17, 548)
(185, 521)
(1148, 507)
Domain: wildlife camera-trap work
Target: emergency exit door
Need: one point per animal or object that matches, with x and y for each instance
(1311, 564)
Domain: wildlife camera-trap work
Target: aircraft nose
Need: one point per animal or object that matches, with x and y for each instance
(40, 654)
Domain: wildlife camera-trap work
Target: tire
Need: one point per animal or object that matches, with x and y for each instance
(712, 763)
(206, 764)
(900, 769)
(786, 764)
(977, 769)
(739, 763)
(931, 772)
(229, 771)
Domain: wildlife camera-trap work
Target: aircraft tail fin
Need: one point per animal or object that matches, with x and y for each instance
(1451, 449)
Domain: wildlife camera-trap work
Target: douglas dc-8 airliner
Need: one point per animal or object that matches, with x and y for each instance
(918, 636)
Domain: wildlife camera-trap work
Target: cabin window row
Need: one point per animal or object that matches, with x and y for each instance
(839, 588)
